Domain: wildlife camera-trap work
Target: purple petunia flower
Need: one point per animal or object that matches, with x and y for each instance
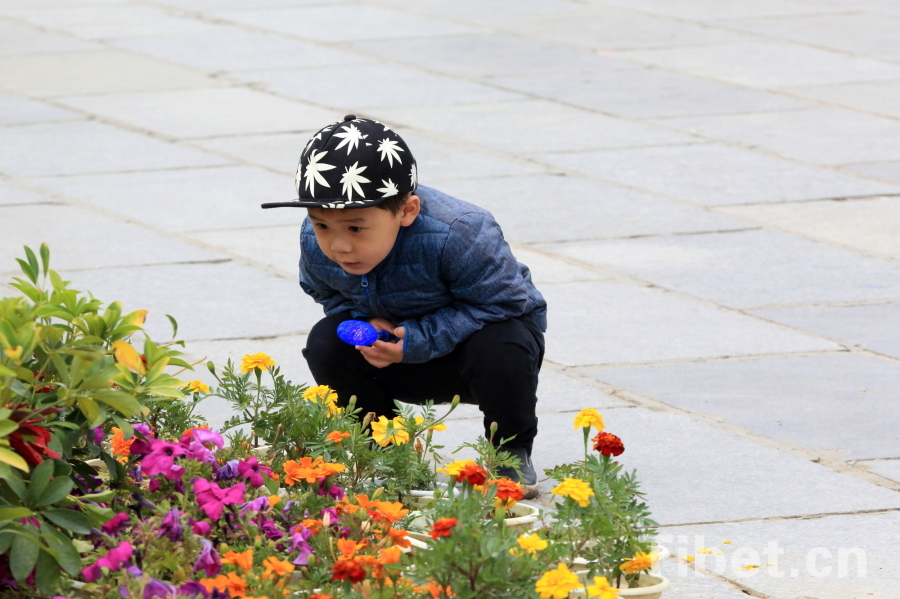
(253, 470)
(271, 530)
(157, 589)
(171, 526)
(298, 543)
(193, 590)
(112, 560)
(115, 526)
(228, 471)
(161, 460)
(209, 560)
(98, 435)
(213, 499)
(260, 504)
(198, 451)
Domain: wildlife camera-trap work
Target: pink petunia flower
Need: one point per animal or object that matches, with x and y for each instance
(114, 560)
(161, 460)
(253, 470)
(213, 499)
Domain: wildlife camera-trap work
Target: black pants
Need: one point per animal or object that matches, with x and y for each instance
(496, 369)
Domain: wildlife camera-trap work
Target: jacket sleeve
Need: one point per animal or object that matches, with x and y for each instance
(483, 276)
(331, 300)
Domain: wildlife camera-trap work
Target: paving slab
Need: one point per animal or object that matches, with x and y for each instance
(716, 174)
(80, 238)
(604, 211)
(745, 269)
(187, 199)
(89, 147)
(819, 135)
(668, 449)
(483, 13)
(690, 585)
(644, 92)
(442, 160)
(550, 127)
(407, 87)
(869, 225)
(277, 247)
(15, 110)
(206, 112)
(886, 171)
(767, 64)
(864, 34)
(605, 323)
(226, 48)
(99, 22)
(546, 269)
(95, 72)
(713, 10)
(488, 55)
(11, 194)
(227, 300)
(840, 402)
(344, 23)
(18, 39)
(209, 6)
(871, 326)
(889, 469)
(879, 97)
(887, 7)
(610, 28)
(276, 151)
(834, 557)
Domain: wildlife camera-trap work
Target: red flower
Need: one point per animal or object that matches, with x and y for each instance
(30, 440)
(472, 473)
(442, 527)
(608, 444)
(349, 569)
(508, 491)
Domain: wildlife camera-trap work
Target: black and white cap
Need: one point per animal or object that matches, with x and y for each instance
(353, 163)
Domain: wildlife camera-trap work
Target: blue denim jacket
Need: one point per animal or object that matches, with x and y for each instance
(448, 274)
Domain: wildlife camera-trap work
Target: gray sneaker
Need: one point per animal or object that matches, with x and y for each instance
(528, 480)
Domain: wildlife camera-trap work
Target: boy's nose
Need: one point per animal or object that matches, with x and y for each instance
(339, 245)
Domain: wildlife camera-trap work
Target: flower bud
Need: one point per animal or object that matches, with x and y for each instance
(455, 402)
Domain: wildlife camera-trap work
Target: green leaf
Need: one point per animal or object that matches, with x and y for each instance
(69, 520)
(47, 576)
(14, 513)
(89, 408)
(32, 260)
(45, 257)
(127, 405)
(37, 483)
(56, 490)
(7, 426)
(66, 554)
(27, 270)
(22, 557)
(4, 371)
(174, 325)
(13, 459)
(15, 481)
(5, 541)
(124, 425)
(103, 497)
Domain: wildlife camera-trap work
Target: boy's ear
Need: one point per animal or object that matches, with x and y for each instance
(410, 210)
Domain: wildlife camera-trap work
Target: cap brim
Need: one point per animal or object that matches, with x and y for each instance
(329, 203)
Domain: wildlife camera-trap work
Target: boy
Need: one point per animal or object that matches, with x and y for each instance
(433, 270)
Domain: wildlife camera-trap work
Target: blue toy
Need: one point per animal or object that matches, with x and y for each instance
(360, 332)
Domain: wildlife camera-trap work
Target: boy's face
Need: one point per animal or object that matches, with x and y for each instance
(360, 238)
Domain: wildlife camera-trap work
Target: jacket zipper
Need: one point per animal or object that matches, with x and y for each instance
(365, 284)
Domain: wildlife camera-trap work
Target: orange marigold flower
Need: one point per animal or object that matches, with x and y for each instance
(608, 444)
(390, 555)
(398, 537)
(243, 560)
(337, 436)
(509, 492)
(274, 500)
(347, 569)
(276, 567)
(436, 591)
(309, 470)
(313, 525)
(349, 547)
(231, 582)
(385, 510)
(320, 596)
(640, 561)
(120, 446)
(442, 527)
(473, 474)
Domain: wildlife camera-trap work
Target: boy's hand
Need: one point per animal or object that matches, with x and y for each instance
(383, 353)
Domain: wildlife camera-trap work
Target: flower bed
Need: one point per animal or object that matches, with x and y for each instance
(295, 496)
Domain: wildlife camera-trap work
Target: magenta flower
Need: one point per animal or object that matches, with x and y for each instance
(202, 528)
(98, 435)
(198, 451)
(260, 504)
(171, 526)
(114, 560)
(161, 460)
(203, 436)
(115, 526)
(213, 499)
(298, 540)
(209, 560)
(271, 530)
(253, 470)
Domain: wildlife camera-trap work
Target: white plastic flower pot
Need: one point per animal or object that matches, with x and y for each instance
(650, 586)
(524, 516)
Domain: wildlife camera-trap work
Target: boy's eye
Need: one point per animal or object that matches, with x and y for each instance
(355, 229)
(321, 226)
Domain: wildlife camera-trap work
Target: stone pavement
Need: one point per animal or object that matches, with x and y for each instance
(707, 191)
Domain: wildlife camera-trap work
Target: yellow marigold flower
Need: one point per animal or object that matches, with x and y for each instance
(587, 418)
(195, 386)
(276, 567)
(642, 561)
(259, 360)
(531, 543)
(453, 468)
(386, 431)
(575, 488)
(601, 589)
(325, 393)
(243, 560)
(556, 584)
(436, 427)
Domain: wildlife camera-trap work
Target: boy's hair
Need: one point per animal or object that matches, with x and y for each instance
(394, 203)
